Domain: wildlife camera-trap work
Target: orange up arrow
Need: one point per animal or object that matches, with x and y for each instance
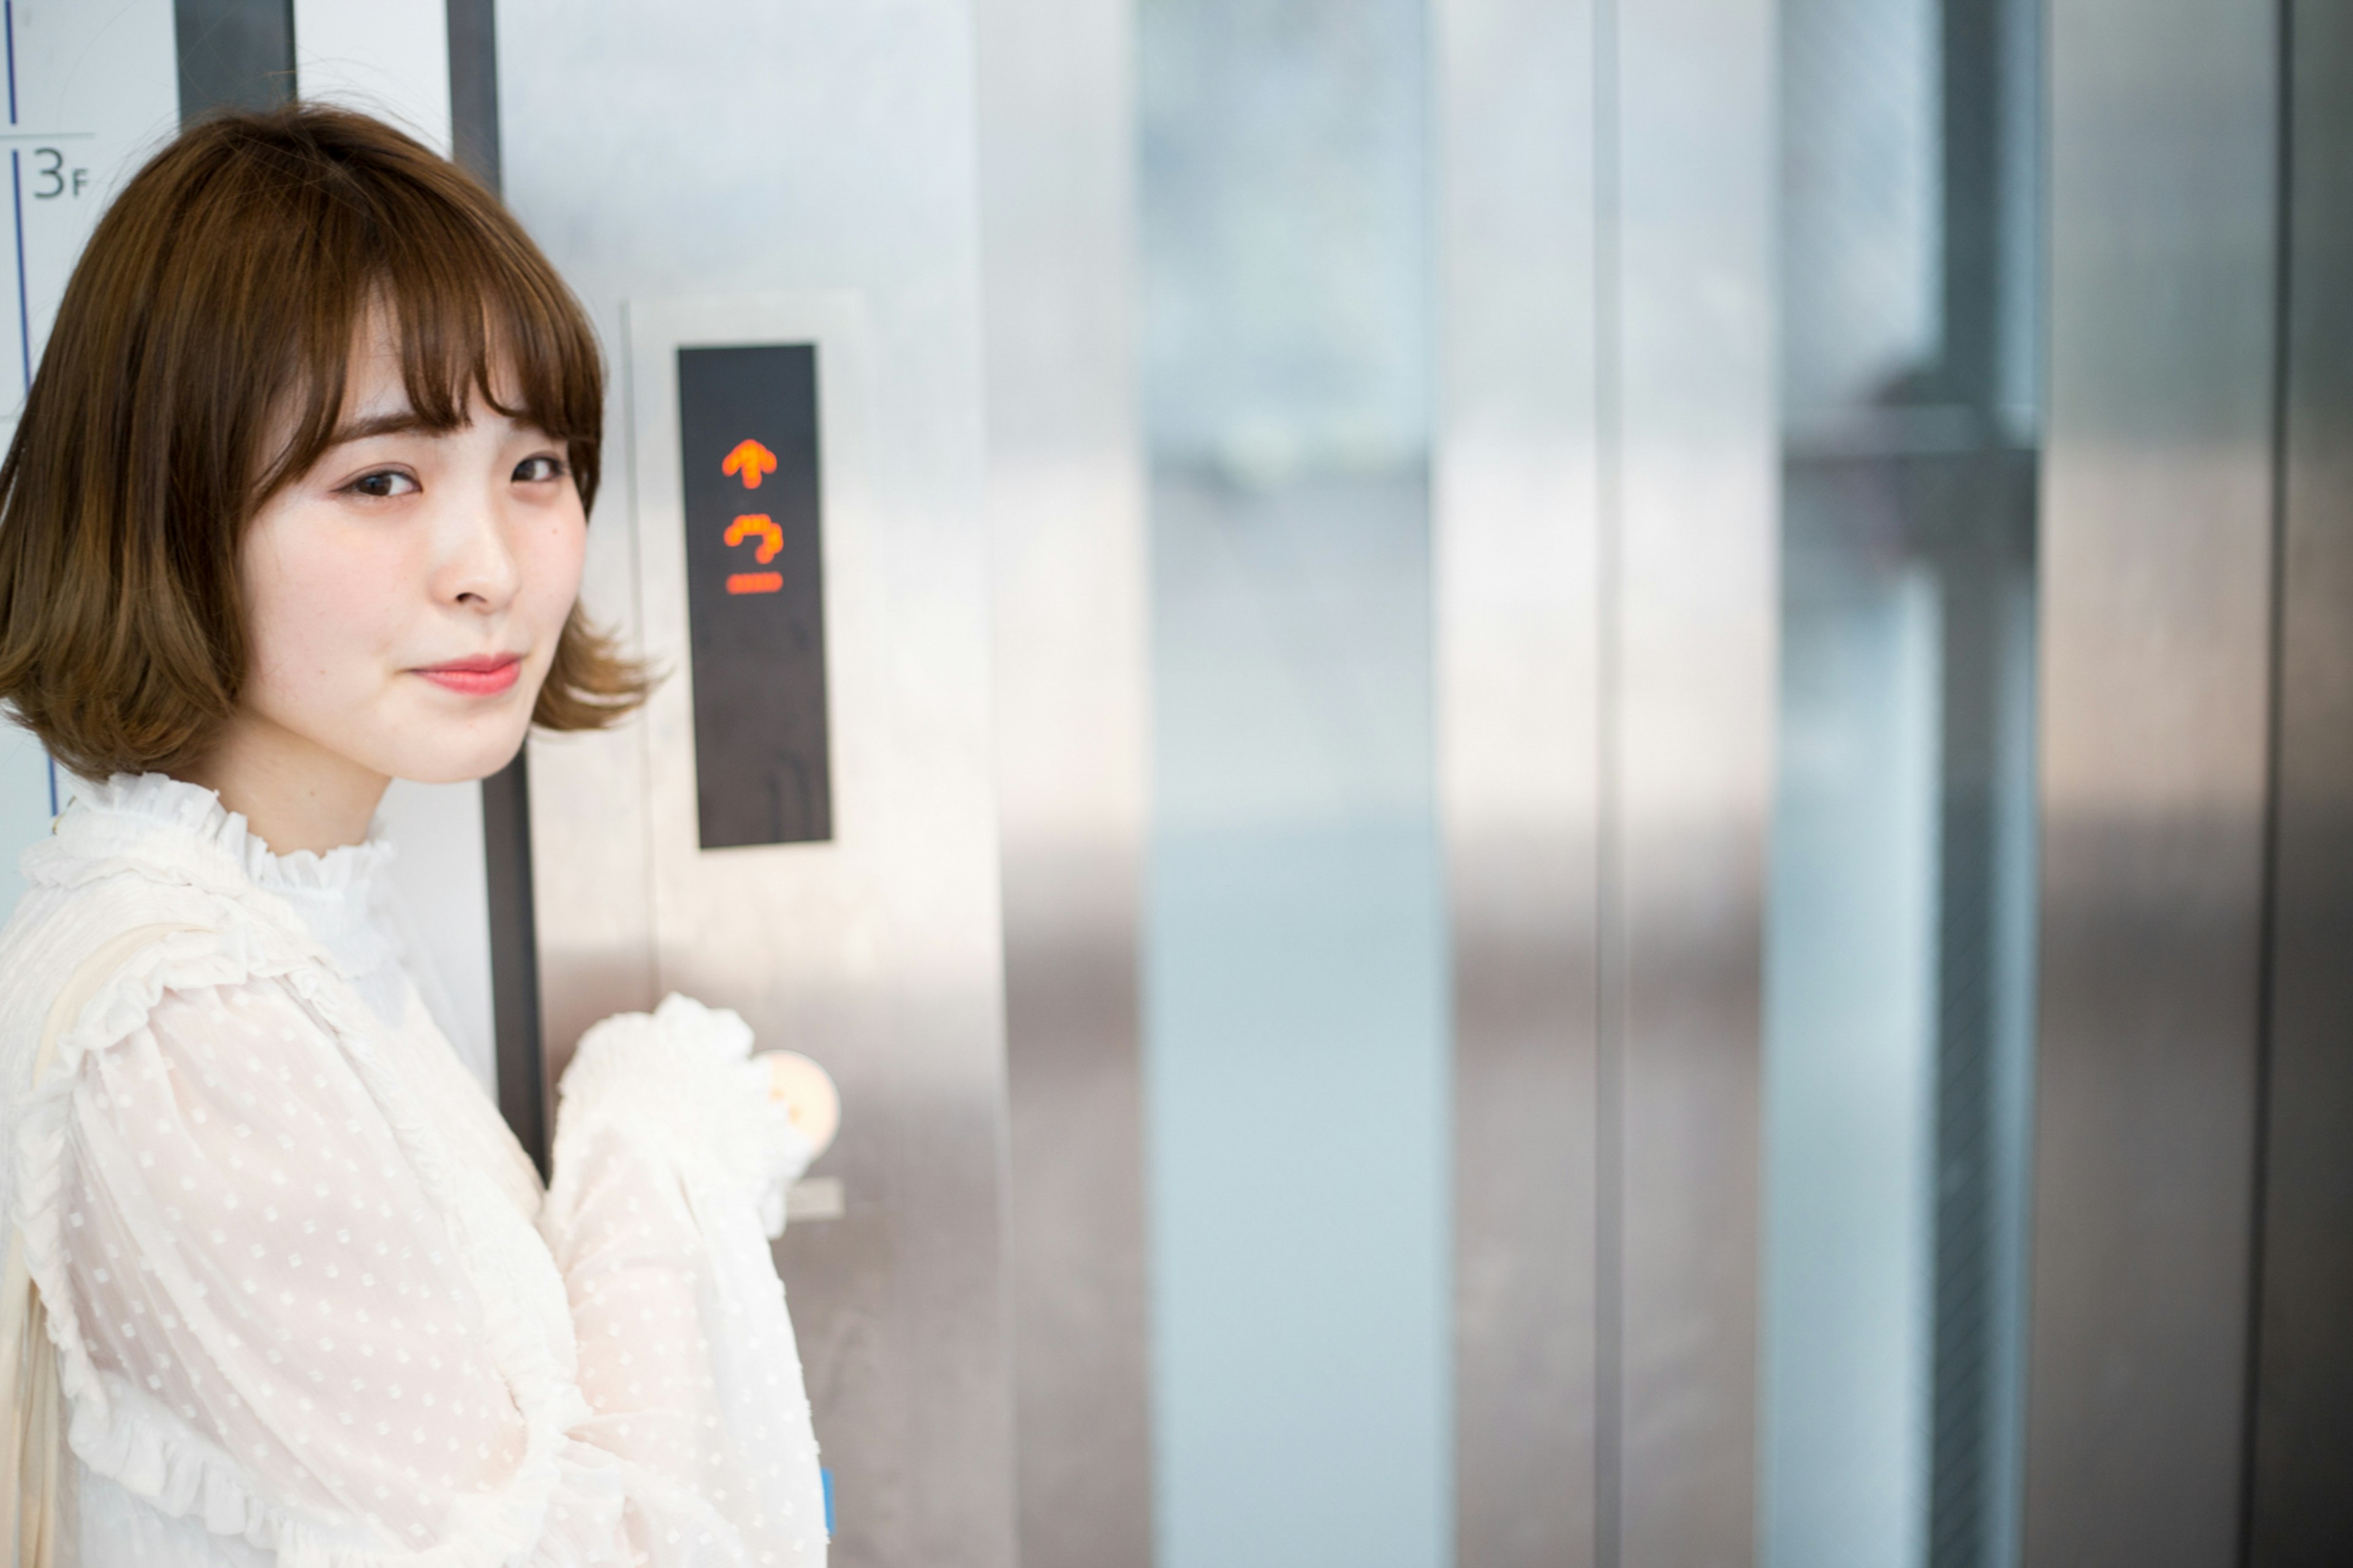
(751, 460)
(761, 526)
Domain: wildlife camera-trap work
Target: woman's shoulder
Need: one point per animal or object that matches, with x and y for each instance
(75, 938)
(145, 886)
(132, 853)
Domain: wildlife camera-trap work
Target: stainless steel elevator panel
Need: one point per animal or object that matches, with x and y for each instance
(793, 935)
(1057, 112)
(776, 172)
(1606, 583)
(1516, 540)
(2155, 627)
(1690, 584)
(826, 946)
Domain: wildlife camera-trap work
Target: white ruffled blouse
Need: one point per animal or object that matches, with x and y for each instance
(309, 1302)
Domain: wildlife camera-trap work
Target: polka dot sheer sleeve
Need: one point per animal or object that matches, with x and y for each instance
(284, 1310)
(667, 1153)
(271, 1306)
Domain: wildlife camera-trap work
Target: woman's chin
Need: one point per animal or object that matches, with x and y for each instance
(464, 762)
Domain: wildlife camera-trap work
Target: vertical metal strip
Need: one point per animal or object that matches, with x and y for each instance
(514, 957)
(1517, 550)
(2156, 611)
(234, 54)
(1057, 117)
(2301, 1442)
(2266, 996)
(474, 88)
(1695, 590)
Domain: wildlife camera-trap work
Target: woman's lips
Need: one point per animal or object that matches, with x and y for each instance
(484, 677)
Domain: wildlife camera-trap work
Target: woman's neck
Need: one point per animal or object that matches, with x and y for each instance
(294, 794)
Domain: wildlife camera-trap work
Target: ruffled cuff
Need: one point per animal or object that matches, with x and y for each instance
(682, 1075)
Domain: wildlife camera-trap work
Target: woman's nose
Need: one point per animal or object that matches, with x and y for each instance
(479, 569)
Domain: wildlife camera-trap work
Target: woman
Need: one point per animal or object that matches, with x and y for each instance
(297, 506)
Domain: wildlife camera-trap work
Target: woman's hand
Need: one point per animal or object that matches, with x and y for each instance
(686, 1072)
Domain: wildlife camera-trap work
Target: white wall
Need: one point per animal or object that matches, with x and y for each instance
(103, 80)
(389, 57)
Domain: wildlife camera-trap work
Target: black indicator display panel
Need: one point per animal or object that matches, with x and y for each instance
(756, 593)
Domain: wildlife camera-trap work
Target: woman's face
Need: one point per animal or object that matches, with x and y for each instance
(404, 595)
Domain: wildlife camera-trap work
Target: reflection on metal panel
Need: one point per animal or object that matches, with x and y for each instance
(1514, 541)
(829, 147)
(1295, 1025)
(1899, 973)
(2303, 1398)
(1066, 537)
(2155, 577)
(1295, 1058)
(1689, 438)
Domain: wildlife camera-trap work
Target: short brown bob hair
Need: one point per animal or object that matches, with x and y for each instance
(215, 309)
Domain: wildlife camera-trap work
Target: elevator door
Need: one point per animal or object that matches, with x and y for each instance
(1852, 527)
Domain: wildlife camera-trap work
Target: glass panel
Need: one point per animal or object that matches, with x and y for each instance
(1899, 986)
(1295, 1031)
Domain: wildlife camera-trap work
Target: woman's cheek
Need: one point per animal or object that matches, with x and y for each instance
(325, 612)
(550, 570)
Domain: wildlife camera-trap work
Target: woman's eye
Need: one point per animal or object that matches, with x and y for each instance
(385, 482)
(538, 470)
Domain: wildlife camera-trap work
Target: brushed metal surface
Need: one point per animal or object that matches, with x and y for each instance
(1691, 582)
(1057, 110)
(1516, 544)
(780, 156)
(2155, 583)
(2303, 1438)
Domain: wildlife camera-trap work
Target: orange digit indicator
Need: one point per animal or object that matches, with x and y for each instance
(755, 583)
(750, 462)
(761, 526)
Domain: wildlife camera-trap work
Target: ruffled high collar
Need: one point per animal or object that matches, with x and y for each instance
(146, 809)
(166, 827)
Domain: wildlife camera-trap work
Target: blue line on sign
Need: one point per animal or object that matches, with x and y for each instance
(24, 309)
(825, 1478)
(24, 304)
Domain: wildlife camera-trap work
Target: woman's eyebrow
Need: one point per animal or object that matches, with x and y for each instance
(391, 422)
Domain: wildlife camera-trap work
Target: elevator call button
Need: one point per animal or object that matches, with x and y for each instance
(756, 593)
